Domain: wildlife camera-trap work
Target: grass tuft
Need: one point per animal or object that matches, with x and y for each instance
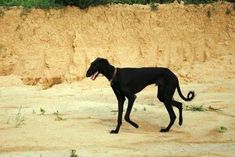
(200, 108)
(153, 6)
(42, 111)
(195, 108)
(25, 12)
(145, 109)
(58, 116)
(2, 48)
(228, 11)
(73, 153)
(19, 119)
(222, 129)
(2, 13)
(209, 13)
(151, 104)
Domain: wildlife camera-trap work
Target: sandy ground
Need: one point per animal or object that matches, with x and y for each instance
(52, 50)
(88, 111)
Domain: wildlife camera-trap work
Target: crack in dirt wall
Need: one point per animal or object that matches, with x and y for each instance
(52, 46)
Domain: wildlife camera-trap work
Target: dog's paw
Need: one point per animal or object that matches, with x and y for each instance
(180, 122)
(136, 125)
(114, 132)
(164, 130)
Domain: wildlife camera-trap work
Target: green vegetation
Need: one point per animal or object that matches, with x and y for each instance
(33, 112)
(153, 6)
(45, 4)
(58, 116)
(145, 109)
(194, 108)
(200, 108)
(209, 13)
(228, 11)
(151, 104)
(73, 153)
(2, 48)
(222, 129)
(19, 119)
(8, 121)
(199, 1)
(42, 111)
(25, 12)
(1, 13)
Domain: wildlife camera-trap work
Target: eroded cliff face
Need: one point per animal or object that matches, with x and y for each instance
(53, 46)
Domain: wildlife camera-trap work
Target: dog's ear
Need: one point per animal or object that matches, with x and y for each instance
(97, 60)
(103, 60)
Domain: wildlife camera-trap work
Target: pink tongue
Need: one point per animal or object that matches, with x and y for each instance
(93, 77)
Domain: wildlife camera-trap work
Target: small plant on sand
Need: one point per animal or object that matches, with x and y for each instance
(25, 12)
(42, 111)
(210, 108)
(151, 104)
(228, 11)
(73, 153)
(209, 13)
(222, 129)
(194, 108)
(58, 116)
(153, 5)
(8, 121)
(33, 112)
(2, 48)
(19, 119)
(145, 109)
(201, 108)
(2, 13)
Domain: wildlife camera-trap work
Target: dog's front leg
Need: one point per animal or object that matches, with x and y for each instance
(119, 120)
(121, 100)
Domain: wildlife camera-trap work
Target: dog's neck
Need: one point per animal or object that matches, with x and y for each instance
(110, 72)
(114, 74)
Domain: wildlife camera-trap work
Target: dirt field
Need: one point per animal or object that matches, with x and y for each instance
(88, 110)
(64, 111)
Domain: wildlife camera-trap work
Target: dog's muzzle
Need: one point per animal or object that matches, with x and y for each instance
(93, 77)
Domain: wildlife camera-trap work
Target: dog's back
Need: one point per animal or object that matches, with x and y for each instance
(142, 77)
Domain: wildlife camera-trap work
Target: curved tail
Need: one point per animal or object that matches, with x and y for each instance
(190, 95)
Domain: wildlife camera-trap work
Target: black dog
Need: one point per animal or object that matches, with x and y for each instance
(126, 82)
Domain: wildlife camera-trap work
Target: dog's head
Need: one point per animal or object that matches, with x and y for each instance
(97, 66)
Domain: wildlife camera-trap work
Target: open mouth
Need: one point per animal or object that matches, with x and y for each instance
(93, 77)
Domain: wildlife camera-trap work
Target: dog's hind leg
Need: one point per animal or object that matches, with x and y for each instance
(165, 95)
(171, 114)
(179, 106)
(131, 100)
